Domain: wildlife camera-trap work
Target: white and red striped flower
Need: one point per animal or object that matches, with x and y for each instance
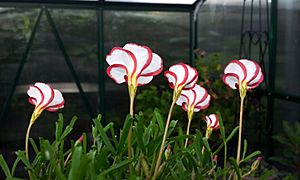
(44, 97)
(194, 100)
(134, 64)
(212, 122)
(243, 74)
(181, 77)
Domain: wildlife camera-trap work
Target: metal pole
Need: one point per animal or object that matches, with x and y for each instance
(101, 57)
(271, 76)
(69, 63)
(21, 66)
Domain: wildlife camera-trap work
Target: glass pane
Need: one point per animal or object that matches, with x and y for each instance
(288, 46)
(15, 29)
(46, 63)
(190, 2)
(166, 33)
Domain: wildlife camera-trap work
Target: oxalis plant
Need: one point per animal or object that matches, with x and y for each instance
(156, 150)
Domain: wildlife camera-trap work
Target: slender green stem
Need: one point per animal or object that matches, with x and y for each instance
(240, 131)
(129, 138)
(32, 119)
(27, 138)
(188, 131)
(225, 159)
(175, 97)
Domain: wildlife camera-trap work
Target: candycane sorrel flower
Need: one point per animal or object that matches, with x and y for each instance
(212, 122)
(43, 97)
(242, 75)
(180, 77)
(193, 100)
(136, 65)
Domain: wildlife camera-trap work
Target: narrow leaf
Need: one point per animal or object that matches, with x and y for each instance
(159, 120)
(104, 135)
(4, 167)
(76, 157)
(124, 133)
(36, 151)
(251, 156)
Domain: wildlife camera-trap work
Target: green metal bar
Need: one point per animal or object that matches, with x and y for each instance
(104, 5)
(101, 57)
(271, 75)
(21, 66)
(191, 39)
(69, 63)
(283, 96)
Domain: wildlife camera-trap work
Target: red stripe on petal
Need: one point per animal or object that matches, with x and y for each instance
(109, 69)
(51, 97)
(170, 73)
(186, 75)
(261, 79)
(132, 56)
(237, 62)
(42, 96)
(226, 81)
(159, 70)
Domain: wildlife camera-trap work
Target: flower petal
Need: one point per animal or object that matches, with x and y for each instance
(35, 95)
(192, 78)
(143, 55)
(236, 67)
(183, 100)
(155, 67)
(117, 72)
(47, 92)
(142, 80)
(252, 69)
(181, 72)
(122, 57)
(204, 104)
(57, 102)
(256, 81)
(172, 78)
(231, 80)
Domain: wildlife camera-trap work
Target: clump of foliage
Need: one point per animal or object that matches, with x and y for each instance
(290, 155)
(105, 155)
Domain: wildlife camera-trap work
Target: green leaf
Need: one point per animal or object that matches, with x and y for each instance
(236, 167)
(15, 166)
(222, 128)
(34, 146)
(245, 148)
(4, 167)
(75, 165)
(124, 133)
(113, 168)
(68, 128)
(103, 134)
(139, 135)
(227, 139)
(21, 155)
(59, 127)
(159, 120)
(251, 156)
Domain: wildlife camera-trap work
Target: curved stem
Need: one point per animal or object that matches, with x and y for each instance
(240, 131)
(225, 159)
(27, 138)
(188, 132)
(129, 138)
(164, 137)
(26, 141)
